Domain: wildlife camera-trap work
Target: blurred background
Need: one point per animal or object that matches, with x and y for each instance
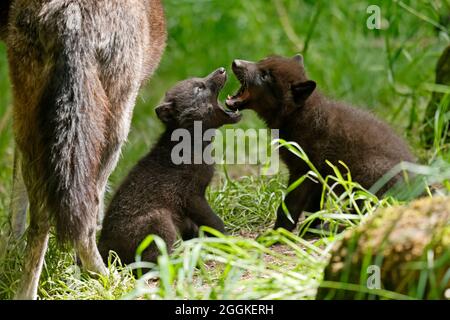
(385, 71)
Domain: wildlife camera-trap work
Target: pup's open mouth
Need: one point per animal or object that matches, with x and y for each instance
(239, 100)
(220, 77)
(234, 115)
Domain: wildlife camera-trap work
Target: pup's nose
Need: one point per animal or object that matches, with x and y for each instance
(238, 63)
(241, 64)
(222, 70)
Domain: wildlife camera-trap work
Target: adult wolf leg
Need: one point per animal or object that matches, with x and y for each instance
(119, 125)
(86, 248)
(38, 233)
(19, 199)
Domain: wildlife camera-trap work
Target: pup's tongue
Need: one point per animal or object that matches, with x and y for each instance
(233, 102)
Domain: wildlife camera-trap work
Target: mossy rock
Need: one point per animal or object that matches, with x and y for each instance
(404, 249)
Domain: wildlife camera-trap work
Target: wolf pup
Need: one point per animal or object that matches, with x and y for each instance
(278, 89)
(159, 196)
(76, 68)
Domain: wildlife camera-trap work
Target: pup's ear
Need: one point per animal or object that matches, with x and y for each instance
(298, 58)
(165, 111)
(302, 90)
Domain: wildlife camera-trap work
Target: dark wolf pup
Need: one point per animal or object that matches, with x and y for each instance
(159, 196)
(278, 89)
(76, 68)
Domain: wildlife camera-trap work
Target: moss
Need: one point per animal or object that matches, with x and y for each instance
(410, 245)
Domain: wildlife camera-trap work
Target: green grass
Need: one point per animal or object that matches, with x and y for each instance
(389, 72)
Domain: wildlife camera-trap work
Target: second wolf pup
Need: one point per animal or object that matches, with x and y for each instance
(161, 197)
(278, 89)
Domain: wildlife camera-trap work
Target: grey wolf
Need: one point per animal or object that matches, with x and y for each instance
(76, 69)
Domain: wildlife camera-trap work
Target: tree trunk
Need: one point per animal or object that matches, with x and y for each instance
(442, 77)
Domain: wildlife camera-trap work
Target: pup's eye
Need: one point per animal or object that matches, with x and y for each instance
(265, 76)
(199, 88)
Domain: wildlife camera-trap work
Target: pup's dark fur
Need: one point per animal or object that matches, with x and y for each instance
(279, 91)
(76, 68)
(158, 196)
(4, 13)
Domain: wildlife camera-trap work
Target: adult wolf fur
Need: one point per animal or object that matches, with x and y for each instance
(76, 68)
